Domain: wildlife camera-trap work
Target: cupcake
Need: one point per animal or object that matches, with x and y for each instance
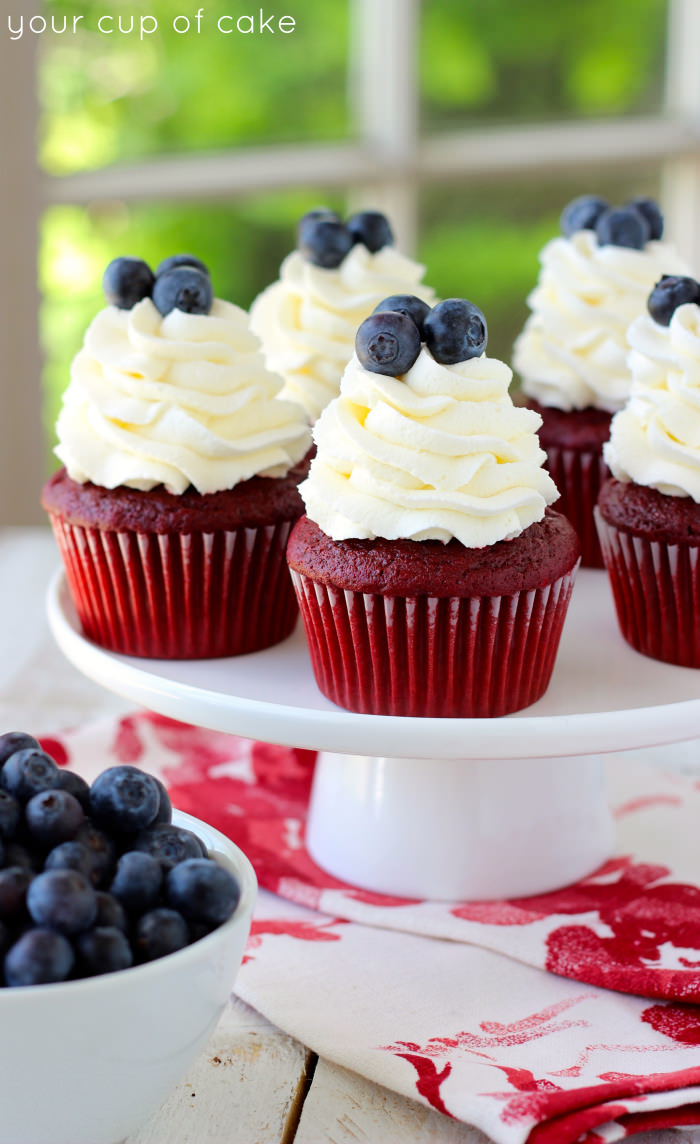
(648, 513)
(432, 578)
(174, 503)
(571, 355)
(308, 319)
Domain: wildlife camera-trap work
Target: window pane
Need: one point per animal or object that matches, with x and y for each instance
(109, 96)
(485, 61)
(483, 242)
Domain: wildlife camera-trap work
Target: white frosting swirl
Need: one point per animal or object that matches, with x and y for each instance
(440, 453)
(655, 439)
(181, 400)
(572, 351)
(308, 319)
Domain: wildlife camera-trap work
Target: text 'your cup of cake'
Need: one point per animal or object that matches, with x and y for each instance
(572, 353)
(177, 492)
(433, 579)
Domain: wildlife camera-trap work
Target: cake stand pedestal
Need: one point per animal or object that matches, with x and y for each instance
(434, 808)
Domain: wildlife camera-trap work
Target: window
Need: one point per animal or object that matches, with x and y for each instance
(469, 124)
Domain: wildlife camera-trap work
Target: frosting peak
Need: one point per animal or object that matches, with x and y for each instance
(178, 400)
(440, 453)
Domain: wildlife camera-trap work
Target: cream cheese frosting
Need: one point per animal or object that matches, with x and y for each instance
(655, 439)
(572, 352)
(440, 453)
(308, 319)
(180, 400)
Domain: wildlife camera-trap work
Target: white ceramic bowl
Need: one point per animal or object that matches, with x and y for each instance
(85, 1062)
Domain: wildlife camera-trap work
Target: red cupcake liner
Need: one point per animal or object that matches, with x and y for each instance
(579, 475)
(453, 657)
(180, 596)
(656, 589)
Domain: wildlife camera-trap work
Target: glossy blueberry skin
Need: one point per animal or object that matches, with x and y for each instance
(14, 883)
(137, 882)
(72, 855)
(28, 772)
(52, 817)
(168, 844)
(160, 932)
(75, 785)
(10, 814)
(324, 242)
(314, 216)
(124, 799)
(180, 260)
(183, 288)
(455, 330)
(103, 949)
(13, 741)
(582, 214)
(622, 226)
(102, 850)
(202, 891)
(651, 211)
(670, 292)
(127, 281)
(62, 900)
(110, 912)
(407, 304)
(387, 343)
(39, 957)
(372, 229)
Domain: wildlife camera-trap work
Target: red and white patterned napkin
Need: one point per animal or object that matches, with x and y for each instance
(490, 1012)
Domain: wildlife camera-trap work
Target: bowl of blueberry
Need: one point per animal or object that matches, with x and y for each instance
(122, 926)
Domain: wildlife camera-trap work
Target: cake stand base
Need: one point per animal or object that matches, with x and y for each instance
(456, 829)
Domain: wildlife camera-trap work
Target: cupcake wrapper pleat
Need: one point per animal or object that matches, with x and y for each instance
(180, 596)
(427, 656)
(579, 475)
(656, 589)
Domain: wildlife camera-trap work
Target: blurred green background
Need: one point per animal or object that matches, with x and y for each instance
(108, 99)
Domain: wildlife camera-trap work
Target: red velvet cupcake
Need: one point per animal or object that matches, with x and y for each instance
(572, 352)
(432, 580)
(174, 507)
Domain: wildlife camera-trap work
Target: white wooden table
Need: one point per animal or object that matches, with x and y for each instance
(252, 1084)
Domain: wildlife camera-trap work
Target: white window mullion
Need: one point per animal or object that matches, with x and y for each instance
(385, 95)
(681, 176)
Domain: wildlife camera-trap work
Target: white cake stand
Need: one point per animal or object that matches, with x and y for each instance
(434, 808)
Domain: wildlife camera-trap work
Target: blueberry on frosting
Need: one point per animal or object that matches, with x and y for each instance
(407, 304)
(582, 214)
(455, 330)
(652, 213)
(670, 292)
(388, 342)
(183, 288)
(180, 260)
(372, 229)
(324, 239)
(623, 226)
(127, 281)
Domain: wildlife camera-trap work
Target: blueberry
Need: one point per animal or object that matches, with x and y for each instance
(202, 891)
(13, 741)
(652, 213)
(28, 772)
(72, 856)
(16, 854)
(10, 814)
(371, 228)
(622, 226)
(75, 785)
(137, 881)
(127, 281)
(14, 883)
(62, 900)
(670, 292)
(160, 932)
(110, 912)
(39, 957)
(314, 216)
(124, 799)
(455, 330)
(406, 304)
(165, 807)
(183, 288)
(104, 949)
(180, 260)
(102, 850)
(324, 242)
(582, 214)
(168, 844)
(53, 816)
(388, 343)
